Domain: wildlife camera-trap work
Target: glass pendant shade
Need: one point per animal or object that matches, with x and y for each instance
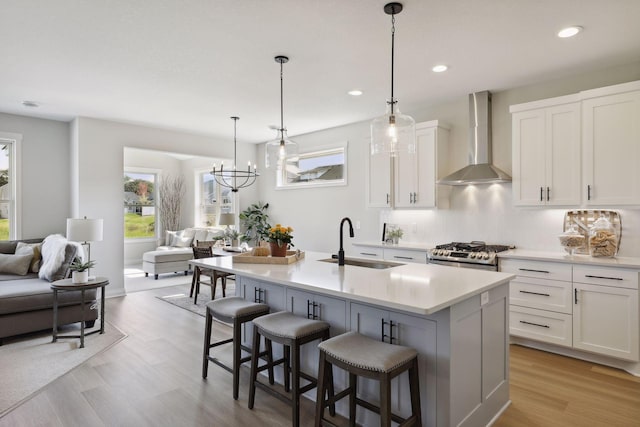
(280, 151)
(393, 133)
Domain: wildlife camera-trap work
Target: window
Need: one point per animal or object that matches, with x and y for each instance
(139, 205)
(213, 200)
(8, 186)
(321, 168)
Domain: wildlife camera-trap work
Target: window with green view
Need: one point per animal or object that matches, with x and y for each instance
(140, 213)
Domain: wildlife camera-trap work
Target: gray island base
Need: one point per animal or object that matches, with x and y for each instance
(457, 320)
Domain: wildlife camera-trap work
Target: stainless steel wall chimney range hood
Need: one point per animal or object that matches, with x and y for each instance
(480, 170)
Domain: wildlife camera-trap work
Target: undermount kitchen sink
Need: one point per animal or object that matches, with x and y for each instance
(365, 263)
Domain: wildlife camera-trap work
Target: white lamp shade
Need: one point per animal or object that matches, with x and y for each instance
(227, 219)
(84, 230)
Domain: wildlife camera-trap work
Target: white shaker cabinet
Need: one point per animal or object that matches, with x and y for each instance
(379, 180)
(580, 306)
(605, 315)
(408, 180)
(611, 141)
(546, 152)
(416, 174)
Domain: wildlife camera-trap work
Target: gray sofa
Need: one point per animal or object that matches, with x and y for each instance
(26, 301)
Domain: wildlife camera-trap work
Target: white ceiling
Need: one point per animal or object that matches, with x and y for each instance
(191, 64)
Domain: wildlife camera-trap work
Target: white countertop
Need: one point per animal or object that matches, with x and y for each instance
(416, 288)
(402, 245)
(626, 262)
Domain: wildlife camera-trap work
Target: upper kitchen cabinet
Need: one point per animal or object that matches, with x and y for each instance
(611, 144)
(581, 149)
(546, 152)
(409, 180)
(379, 180)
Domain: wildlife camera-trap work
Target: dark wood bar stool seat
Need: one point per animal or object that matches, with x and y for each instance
(292, 332)
(234, 310)
(369, 358)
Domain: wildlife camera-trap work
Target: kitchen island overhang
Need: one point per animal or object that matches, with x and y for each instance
(457, 319)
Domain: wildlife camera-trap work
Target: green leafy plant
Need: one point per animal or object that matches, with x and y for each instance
(78, 265)
(396, 232)
(255, 221)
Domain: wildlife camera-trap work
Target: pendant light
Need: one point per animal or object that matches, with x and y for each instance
(234, 178)
(281, 150)
(394, 132)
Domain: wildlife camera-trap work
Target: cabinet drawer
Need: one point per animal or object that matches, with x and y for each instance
(606, 276)
(553, 295)
(402, 255)
(541, 325)
(368, 252)
(541, 270)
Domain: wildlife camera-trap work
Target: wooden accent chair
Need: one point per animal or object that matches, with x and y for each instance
(206, 251)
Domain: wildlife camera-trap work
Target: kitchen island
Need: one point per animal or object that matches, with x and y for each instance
(457, 320)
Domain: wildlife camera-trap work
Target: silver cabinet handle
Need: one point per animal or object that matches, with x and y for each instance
(402, 257)
(588, 192)
(368, 253)
(547, 194)
(541, 194)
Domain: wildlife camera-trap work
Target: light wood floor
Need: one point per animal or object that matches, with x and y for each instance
(152, 378)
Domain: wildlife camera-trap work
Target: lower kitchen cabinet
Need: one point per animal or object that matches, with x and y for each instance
(593, 308)
(405, 255)
(401, 329)
(605, 318)
(319, 307)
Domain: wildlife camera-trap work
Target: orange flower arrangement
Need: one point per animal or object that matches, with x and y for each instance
(280, 235)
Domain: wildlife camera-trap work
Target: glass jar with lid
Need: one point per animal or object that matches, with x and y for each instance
(603, 239)
(572, 239)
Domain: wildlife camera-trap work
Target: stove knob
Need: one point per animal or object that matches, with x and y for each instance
(485, 255)
(437, 251)
(446, 252)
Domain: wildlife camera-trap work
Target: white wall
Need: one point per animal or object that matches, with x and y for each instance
(476, 213)
(100, 146)
(44, 173)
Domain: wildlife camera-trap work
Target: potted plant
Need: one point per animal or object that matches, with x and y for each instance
(394, 235)
(280, 239)
(255, 221)
(80, 270)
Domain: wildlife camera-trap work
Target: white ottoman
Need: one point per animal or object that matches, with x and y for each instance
(167, 261)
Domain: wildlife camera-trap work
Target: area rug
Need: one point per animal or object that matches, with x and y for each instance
(183, 300)
(30, 362)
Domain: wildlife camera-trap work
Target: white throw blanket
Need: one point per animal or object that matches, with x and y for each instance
(53, 253)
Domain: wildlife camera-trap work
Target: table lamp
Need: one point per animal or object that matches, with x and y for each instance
(84, 230)
(227, 219)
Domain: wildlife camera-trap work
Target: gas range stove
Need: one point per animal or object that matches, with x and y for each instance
(473, 254)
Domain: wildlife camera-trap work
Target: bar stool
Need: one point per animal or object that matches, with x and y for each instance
(234, 310)
(366, 357)
(292, 332)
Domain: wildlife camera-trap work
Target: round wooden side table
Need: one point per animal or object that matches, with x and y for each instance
(66, 285)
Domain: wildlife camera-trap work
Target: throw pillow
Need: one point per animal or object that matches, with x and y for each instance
(169, 236)
(182, 242)
(57, 254)
(17, 263)
(37, 255)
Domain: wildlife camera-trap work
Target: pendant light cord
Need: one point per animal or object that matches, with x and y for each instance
(281, 106)
(393, 36)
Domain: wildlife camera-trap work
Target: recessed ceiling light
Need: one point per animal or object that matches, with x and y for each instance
(31, 104)
(440, 68)
(569, 32)
(355, 92)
